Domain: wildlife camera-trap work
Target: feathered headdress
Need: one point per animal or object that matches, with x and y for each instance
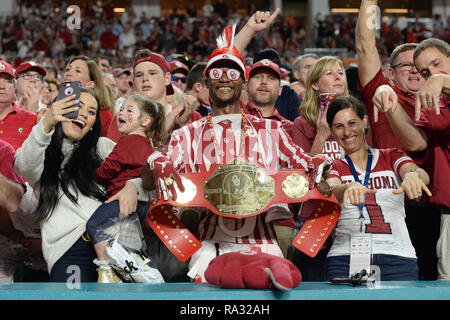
(226, 49)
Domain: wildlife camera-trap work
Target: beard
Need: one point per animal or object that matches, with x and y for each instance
(257, 99)
(264, 101)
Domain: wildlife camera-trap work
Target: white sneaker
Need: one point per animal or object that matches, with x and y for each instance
(133, 267)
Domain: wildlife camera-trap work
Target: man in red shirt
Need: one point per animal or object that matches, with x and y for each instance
(15, 123)
(11, 185)
(428, 139)
(406, 80)
(263, 90)
(108, 39)
(225, 134)
(29, 81)
(12, 188)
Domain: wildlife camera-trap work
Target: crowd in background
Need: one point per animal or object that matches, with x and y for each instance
(115, 42)
(40, 33)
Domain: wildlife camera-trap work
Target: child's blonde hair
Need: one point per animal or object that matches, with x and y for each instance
(155, 110)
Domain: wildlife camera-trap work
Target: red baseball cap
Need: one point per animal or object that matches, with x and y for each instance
(177, 65)
(5, 67)
(119, 71)
(161, 62)
(30, 65)
(268, 64)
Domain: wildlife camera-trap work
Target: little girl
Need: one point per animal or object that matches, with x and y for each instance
(141, 120)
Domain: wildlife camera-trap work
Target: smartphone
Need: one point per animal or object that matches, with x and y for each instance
(67, 89)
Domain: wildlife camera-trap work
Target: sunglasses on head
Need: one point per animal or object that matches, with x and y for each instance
(176, 79)
(217, 73)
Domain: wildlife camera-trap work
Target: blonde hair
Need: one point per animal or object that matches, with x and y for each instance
(310, 106)
(177, 97)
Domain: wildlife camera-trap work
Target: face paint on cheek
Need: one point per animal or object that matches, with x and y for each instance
(130, 118)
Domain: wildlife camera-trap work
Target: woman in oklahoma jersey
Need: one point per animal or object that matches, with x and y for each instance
(373, 180)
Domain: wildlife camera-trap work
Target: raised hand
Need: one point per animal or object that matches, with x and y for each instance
(429, 95)
(191, 103)
(57, 111)
(261, 20)
(385, 99)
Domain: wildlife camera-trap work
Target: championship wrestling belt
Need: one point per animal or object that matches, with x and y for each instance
(239, 190)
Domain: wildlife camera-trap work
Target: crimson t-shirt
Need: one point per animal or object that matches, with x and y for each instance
(125, 162)
(382, 135)
(285, 123)
(303, 135)
(7, 153)
(436, 158)
(16, 126)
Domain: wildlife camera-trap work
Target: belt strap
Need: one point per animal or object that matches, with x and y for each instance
(177, 238)
(323, 210)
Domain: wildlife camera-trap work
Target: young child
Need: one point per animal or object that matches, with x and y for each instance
(141, 120)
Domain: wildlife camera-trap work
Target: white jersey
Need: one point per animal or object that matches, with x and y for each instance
(384, 212)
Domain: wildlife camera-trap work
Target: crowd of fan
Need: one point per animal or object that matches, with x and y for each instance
(41, 33)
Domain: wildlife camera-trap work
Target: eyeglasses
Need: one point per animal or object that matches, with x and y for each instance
(176, 79)
(217, 73)
(404, 66)
(30, 76)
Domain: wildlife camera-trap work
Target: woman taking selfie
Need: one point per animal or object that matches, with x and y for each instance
(59, 159)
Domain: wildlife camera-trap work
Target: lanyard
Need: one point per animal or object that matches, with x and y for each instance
(366, 177)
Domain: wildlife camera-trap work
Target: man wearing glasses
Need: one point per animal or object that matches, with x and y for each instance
(179, 72)
(15, 123)
(406, 81)
(29, 77)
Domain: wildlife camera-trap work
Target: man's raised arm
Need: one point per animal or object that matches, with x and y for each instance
(368, 59)
(259, 21)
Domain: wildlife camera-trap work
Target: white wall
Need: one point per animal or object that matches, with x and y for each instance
(152, 8)
(8, 7)
(441, 7)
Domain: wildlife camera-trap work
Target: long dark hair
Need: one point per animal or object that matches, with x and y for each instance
(78, 172)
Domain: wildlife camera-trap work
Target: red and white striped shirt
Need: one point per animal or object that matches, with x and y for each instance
(193, 149)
